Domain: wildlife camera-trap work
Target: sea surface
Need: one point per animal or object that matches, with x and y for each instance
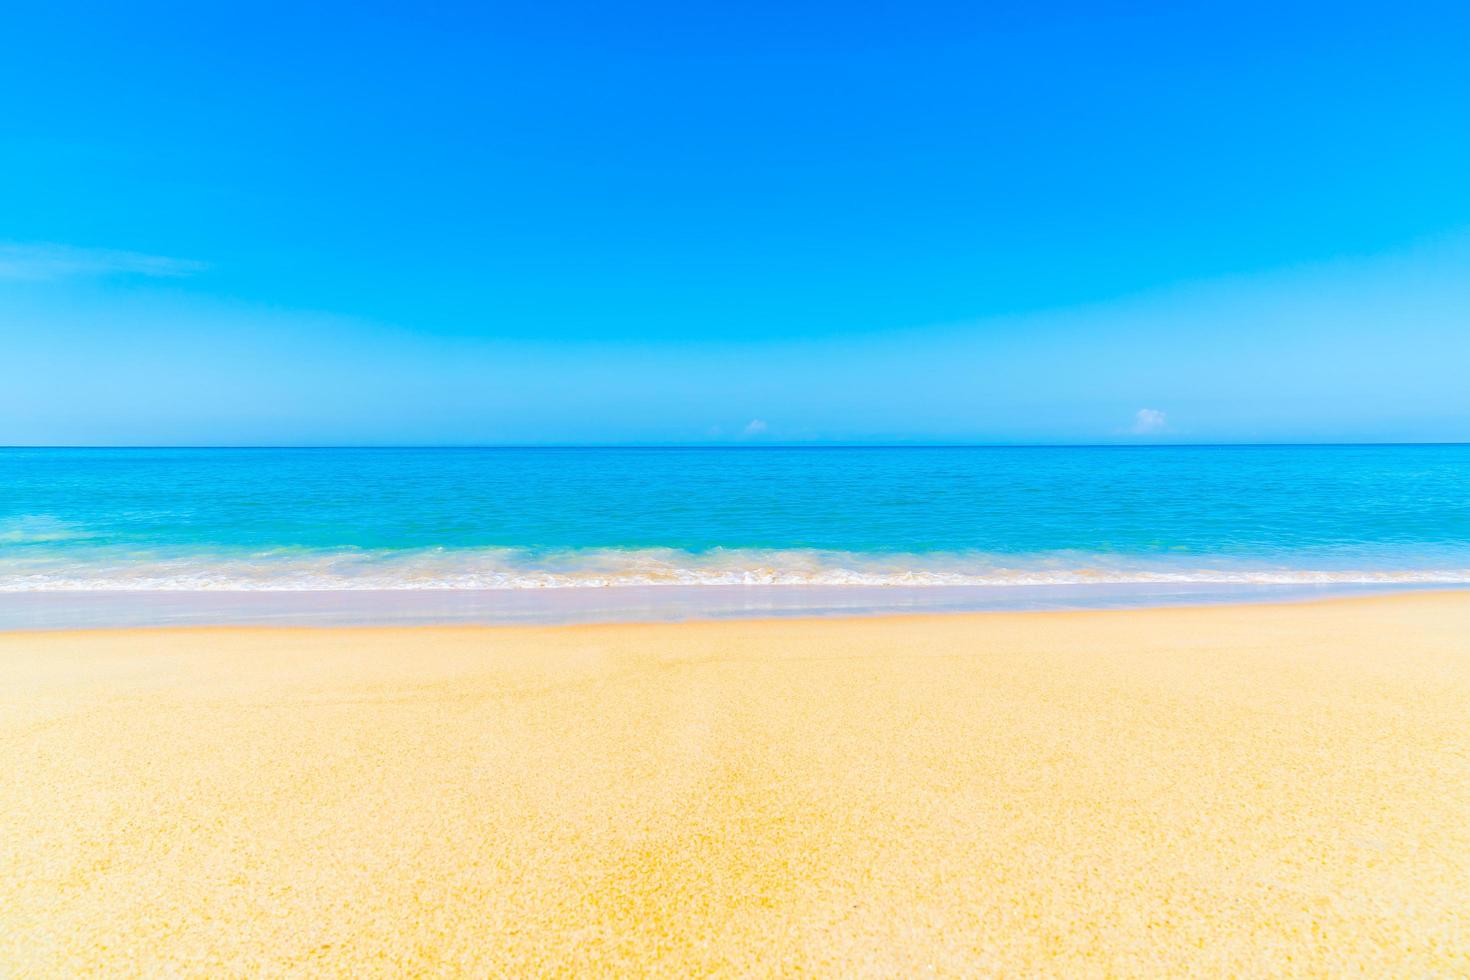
(475, 533)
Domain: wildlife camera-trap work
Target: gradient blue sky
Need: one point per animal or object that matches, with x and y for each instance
(651, 223)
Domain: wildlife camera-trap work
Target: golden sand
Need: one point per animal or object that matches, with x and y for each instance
(1247, 790)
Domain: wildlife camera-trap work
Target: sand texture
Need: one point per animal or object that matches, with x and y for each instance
(1232, 790)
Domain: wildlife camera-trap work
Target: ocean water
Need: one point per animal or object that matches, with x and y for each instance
(1151, 521)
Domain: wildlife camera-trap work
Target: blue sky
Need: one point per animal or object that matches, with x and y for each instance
(736, 223)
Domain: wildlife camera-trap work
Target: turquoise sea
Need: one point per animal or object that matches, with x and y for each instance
(478, 521)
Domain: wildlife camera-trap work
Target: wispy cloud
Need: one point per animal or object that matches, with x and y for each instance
(753, 428)
(45, 261)
(1148, 421)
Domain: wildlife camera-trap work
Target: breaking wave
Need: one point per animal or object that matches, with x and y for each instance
(299, 570)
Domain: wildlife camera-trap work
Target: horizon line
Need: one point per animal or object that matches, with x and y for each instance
(747, 446)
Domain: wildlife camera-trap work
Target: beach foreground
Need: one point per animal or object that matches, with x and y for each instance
(1249, 789)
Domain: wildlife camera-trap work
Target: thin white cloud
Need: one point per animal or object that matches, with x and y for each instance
(44, 261)
(752, 428)
(1148, 421)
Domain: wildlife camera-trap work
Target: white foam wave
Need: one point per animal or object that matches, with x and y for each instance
(501, 569)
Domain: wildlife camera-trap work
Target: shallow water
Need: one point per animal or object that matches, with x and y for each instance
(885, 524)
(519, 607)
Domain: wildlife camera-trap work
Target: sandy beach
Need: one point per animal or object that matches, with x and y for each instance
(1229, 790)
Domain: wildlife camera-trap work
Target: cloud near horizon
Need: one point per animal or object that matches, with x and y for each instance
(1149, 421)
(46, 261)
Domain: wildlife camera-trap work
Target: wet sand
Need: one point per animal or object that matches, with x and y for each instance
(1246, 789)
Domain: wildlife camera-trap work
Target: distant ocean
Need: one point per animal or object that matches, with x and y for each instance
(1136, 521)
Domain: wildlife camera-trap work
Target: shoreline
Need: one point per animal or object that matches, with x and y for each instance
(1276, 788)
(64, 610)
